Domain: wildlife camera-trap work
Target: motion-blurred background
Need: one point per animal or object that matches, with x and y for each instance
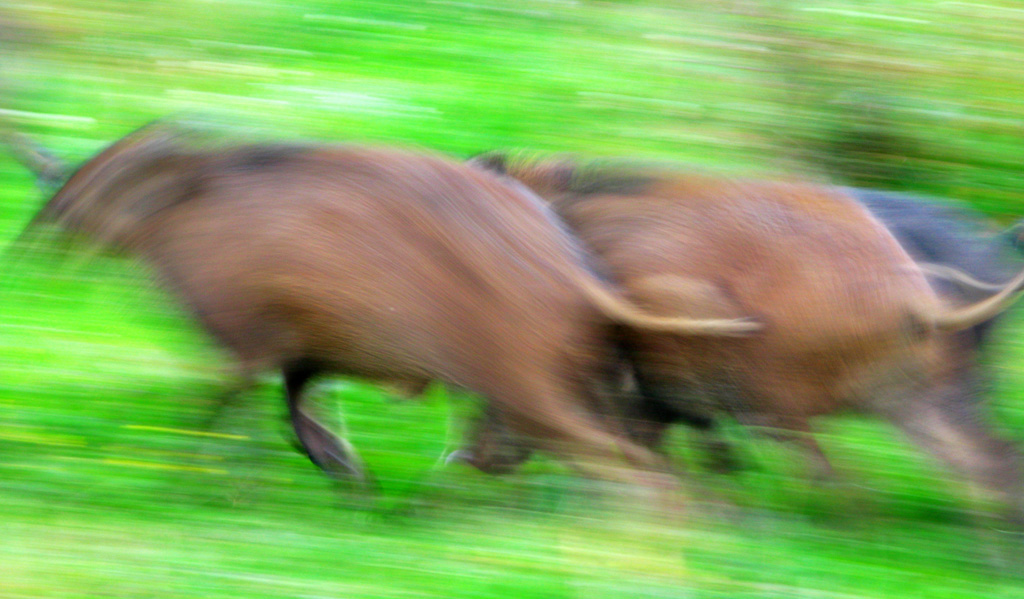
(108, 486)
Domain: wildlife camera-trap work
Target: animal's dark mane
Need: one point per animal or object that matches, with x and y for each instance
(196, 166)
(166, 141)
(254, 157)
(572, 176)
(602, 179)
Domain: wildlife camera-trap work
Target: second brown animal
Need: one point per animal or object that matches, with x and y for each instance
(851, 322)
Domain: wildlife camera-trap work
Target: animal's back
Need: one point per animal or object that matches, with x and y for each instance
(762, 243)
(374, 261)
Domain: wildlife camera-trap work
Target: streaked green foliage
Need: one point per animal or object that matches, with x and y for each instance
(107, 490)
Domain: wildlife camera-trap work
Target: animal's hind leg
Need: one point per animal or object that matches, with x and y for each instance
(947, 425)
(325, 449)
(542, 411)
(795, 432)
(665, 401)
(492, 446)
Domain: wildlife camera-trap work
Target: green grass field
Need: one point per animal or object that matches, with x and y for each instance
(110, 488)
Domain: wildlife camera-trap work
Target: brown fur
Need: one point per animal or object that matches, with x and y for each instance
(370, 262)
(851, 322)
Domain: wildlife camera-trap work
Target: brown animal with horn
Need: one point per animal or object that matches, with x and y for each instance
(851, 321)
(377, 263)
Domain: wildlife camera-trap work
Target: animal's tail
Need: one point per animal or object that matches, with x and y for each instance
(617, 308)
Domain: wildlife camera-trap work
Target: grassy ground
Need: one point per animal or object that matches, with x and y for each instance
(109, 489)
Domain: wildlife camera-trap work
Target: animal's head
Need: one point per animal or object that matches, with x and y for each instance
(110, 195)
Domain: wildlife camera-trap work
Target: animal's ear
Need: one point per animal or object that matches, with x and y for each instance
(561, 173)
(495, 162)
(1015, 235)
(49, 170)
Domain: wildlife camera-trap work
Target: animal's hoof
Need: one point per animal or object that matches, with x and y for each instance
(489, 463)
(459, 456)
